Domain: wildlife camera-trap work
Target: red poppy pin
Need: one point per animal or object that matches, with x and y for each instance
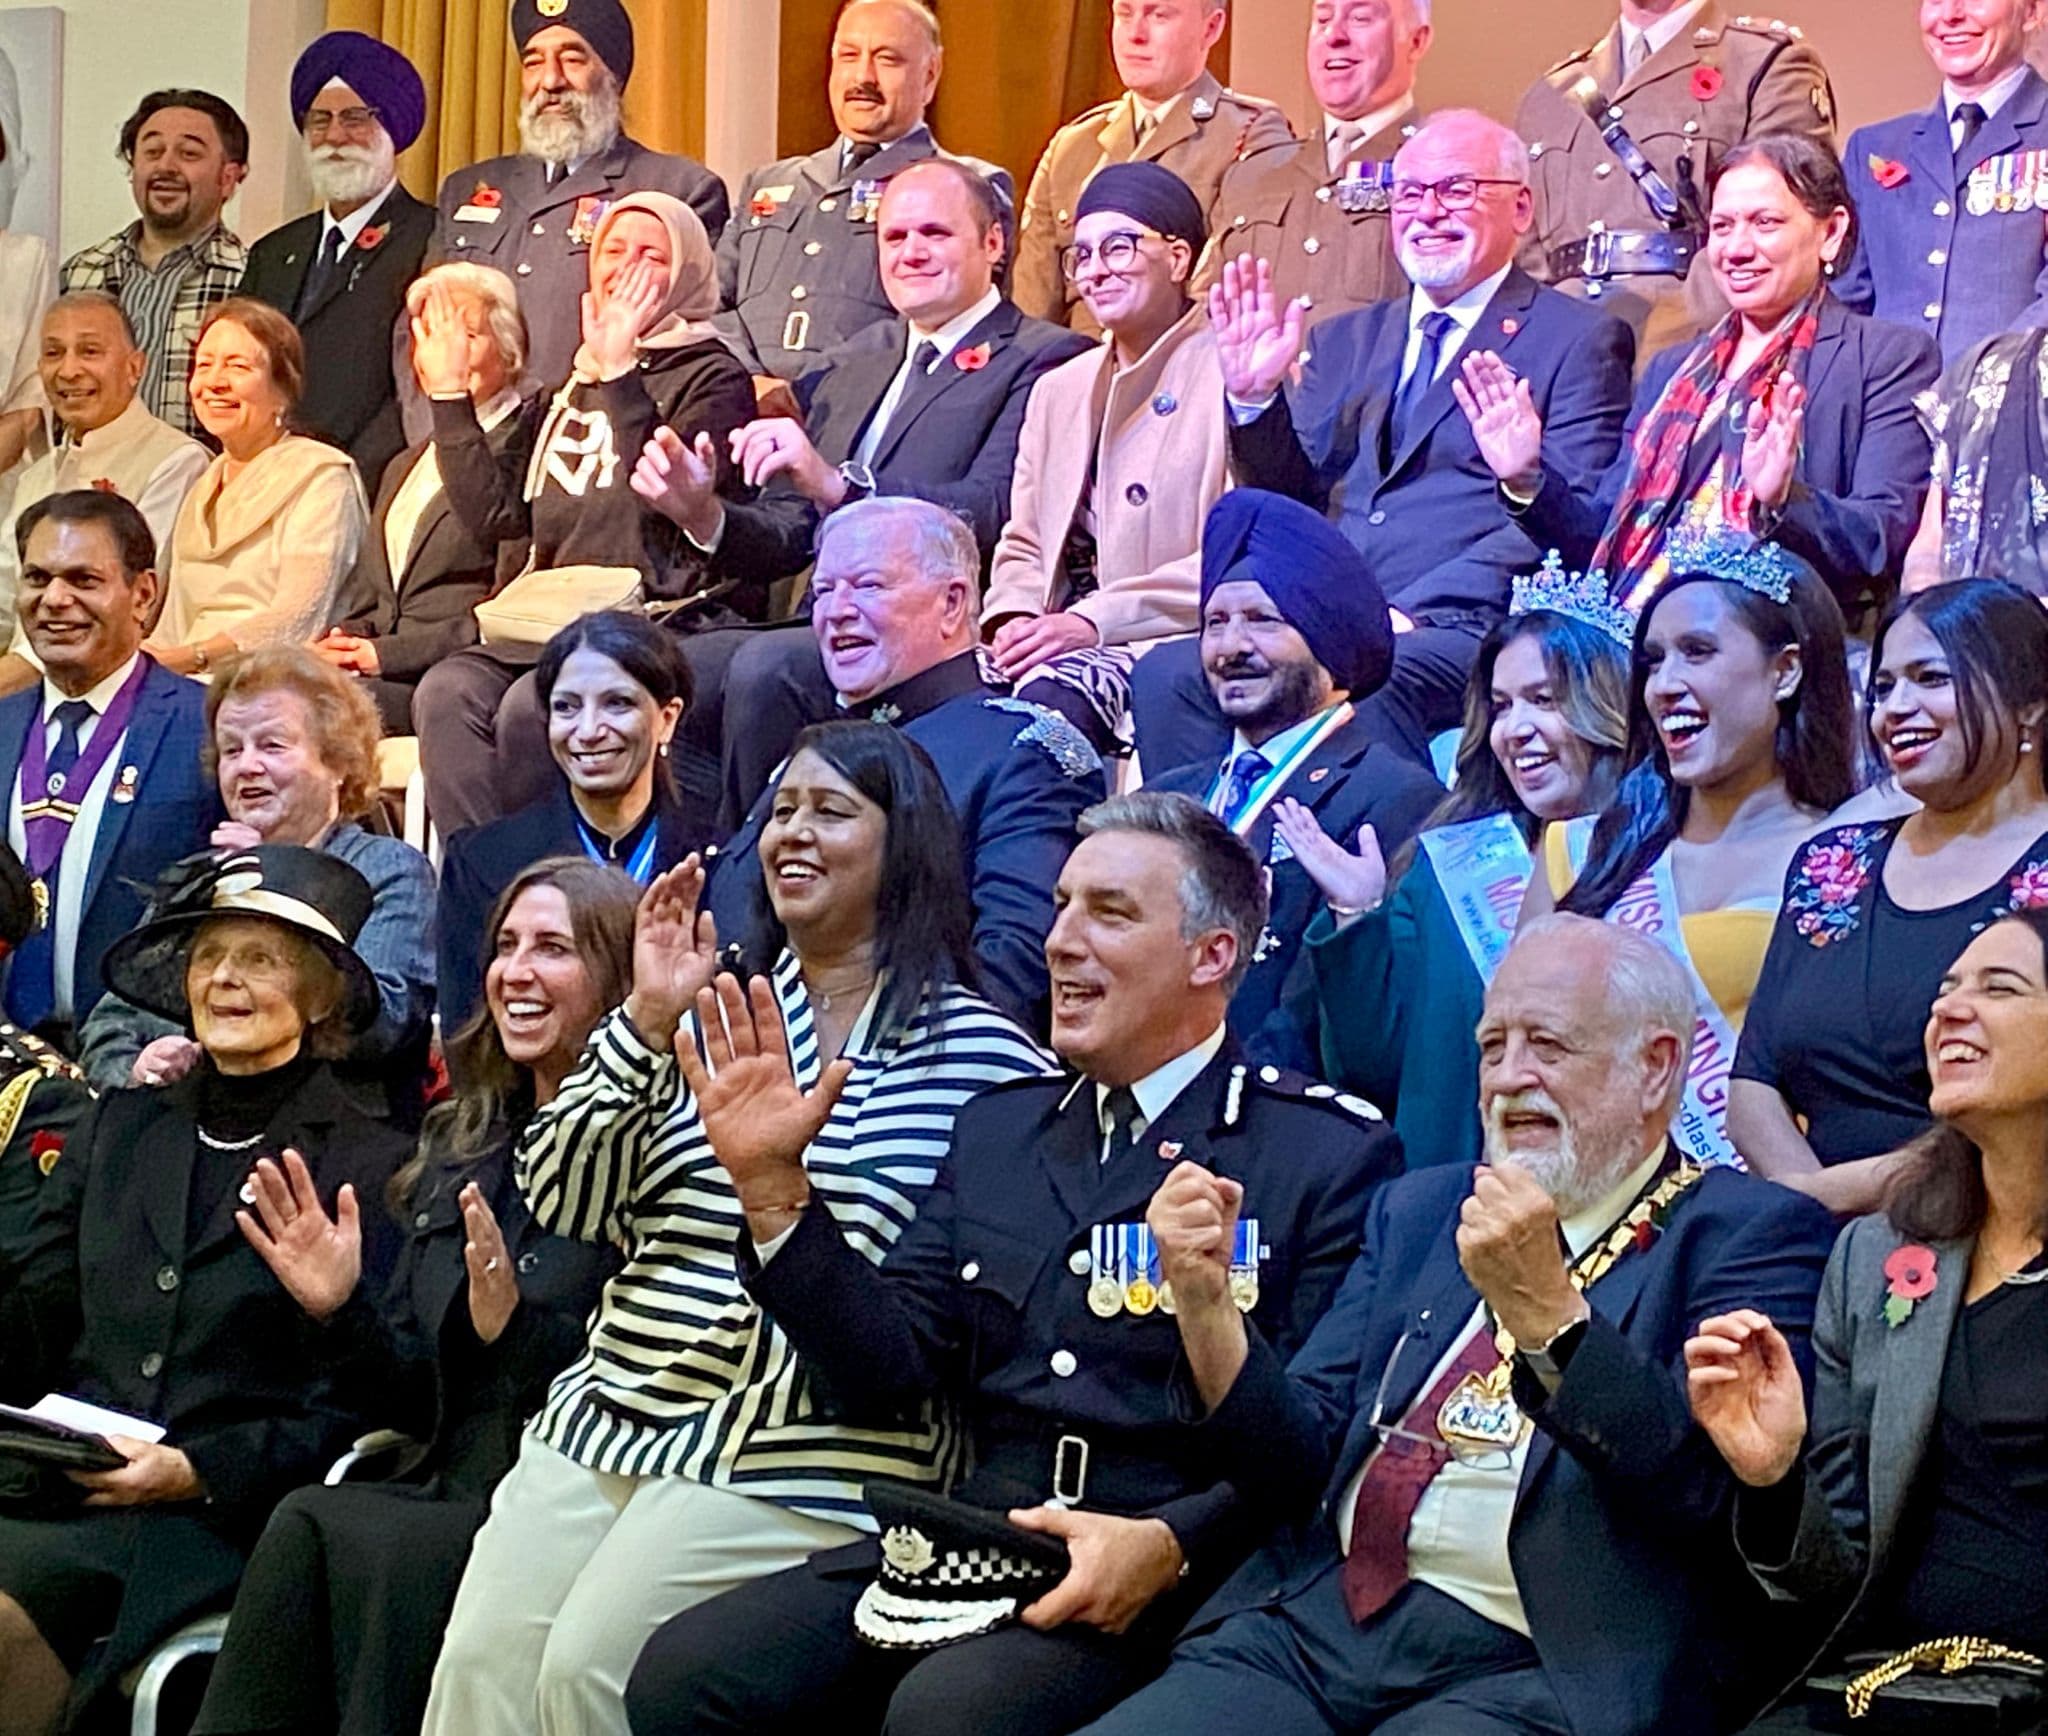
(1888, 173)
(46, 1147)
(372, 238)
(761, 205)
(1909, 1277)
(106, 485)
(488, 197)
(971, 361)
(1706, 83)
(1645, 1236)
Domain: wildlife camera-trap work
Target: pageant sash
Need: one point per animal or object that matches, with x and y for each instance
(1268, 787)
(1483, 869)
(50, 804)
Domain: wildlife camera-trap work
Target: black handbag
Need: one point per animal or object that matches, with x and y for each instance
(1957, 1687)
(42, 1442)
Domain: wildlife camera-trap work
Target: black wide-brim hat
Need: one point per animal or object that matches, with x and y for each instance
(315, 895)
(949, 1571)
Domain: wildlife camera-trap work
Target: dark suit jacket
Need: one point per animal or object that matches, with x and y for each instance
(952, 440)
(1621, 1542)
(1863, 467)
(1429, 517)
(175, 809)
(1349, 781)
(451, 567)
(351, 395)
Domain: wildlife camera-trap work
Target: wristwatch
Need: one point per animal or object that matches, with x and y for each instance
(1548, 1361)
(859, 479)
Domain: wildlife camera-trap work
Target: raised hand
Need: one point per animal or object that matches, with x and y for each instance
(493, 1283)
(1347, 882)
(612, 327)
(1193, 1219)
(1506, 425)
(1116, 1567)
(1511, 1248)
(675, 951)
(681, 482)
(318, 1259)
(440, 345)
(1745, 1394)
(776, 446)
(1771, 440)
(165, 1061)
(1258, 340)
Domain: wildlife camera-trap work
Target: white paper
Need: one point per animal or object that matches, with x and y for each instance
(90, 1419)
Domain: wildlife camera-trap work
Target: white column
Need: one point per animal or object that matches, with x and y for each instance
(742, 48)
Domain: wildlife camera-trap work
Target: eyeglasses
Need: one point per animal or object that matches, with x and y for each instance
(1455, 193)
(1468, 1453)
(353, 120)
(1115, 253)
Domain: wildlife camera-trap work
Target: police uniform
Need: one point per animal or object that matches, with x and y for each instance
(1198, 135)
(999, 1297)
(798, 268)
(1723, 80)
(1329, 237)
(1954, 247)
(43, 1097)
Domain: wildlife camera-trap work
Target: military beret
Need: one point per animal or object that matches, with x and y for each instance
(1150, 194)
(374, 70)
(601, 23)
(1317, 580)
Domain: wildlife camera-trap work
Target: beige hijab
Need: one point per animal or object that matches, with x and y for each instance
(684, 316)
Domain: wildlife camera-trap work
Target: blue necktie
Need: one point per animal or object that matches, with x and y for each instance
(1435, 328)
(1245, 772)
(32, 984)
(325, 264)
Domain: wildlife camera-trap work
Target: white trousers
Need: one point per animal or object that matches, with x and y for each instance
(573, 1571)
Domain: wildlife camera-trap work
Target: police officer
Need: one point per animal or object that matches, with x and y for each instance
(798, 268)
(1027, 1291)
(43, 1095)
(1172, 112)
(1316, 209)
(532, 215)
(1951, 198)
(1623, 136)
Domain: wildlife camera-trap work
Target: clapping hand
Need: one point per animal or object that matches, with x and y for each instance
(1258, 339)
(318, 1259)
(675, 951)
(1506, 426)
(1746, 1394)
(493, 1284)
(776, 446)
(612, 327)
(1771, 440)
(1193, 1220)
(1347, 882)
(681, 482)
(440, 345)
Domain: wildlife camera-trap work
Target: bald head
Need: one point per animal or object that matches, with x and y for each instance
(1461, 202)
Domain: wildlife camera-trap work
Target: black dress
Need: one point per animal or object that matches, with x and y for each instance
(1837, 1020)
(340, 1615)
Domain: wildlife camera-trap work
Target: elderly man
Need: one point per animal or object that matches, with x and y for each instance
(892, 615)
(1028, 1293)
(1295, 636)
(1945, 242)
(1368, 431)
(1317, 209)
(533, 215)
(1501, 1517)
(1624, 134)
(341, 272)
(1172, 112)
(187, 151)
(799, 271)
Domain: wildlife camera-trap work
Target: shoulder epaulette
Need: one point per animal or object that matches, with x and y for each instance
(1298, 1086)
(1099, 112)
(1573, 59)
(33, 1051)
(1775, 28)
(1053, 736)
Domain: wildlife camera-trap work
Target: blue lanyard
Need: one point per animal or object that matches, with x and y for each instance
(641, 864)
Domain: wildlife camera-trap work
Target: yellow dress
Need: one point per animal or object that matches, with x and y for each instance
(1727, 946)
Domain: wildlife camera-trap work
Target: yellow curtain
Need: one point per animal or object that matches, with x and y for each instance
(463, 50)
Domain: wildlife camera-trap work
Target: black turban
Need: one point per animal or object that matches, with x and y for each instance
(1147, 194)
(601, 23)
(375, 71)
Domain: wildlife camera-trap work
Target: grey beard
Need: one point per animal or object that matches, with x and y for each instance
(352, 178)
(1437, 273)
(589, 127)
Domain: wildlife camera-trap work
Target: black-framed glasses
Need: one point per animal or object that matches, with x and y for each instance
(1113, 253)
(353, 120)
(1453, 193)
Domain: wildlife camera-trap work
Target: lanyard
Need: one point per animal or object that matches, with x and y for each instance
(640, 865)
(1269, 786)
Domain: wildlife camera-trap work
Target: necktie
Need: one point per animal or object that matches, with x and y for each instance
(1391, 1489)
(1345, 140)
(32, 983)
(325, 264)
(1245, 772)
(1970, 117)
(1635, 49)
(1121, 1106)
(859, 152)
(1435, 328)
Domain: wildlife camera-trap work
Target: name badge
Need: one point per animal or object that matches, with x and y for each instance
(478, 214)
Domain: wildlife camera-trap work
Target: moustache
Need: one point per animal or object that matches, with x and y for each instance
(864, 93)
(1239, 668)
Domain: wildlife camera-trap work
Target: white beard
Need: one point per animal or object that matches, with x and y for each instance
(1438, 270)
(351, 174)
(590, 125)
(1563, 1172)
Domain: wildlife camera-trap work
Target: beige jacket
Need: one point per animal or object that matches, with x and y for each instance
(1157, 435)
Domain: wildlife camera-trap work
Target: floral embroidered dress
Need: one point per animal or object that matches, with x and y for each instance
(1835, 1025)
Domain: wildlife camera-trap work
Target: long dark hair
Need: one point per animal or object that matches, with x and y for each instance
(645, 651)
(1816, 729)
(1995, 637)
(924, 923)
(1937, 1194)
(496, 1099)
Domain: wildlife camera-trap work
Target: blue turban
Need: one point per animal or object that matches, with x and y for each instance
(603, 24)
(375, 71)
(1317, 580)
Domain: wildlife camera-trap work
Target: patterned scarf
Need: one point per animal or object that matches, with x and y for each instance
(1653, 492)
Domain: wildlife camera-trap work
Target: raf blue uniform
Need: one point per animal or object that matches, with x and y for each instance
(985, 1300)
(1928, 254)
(799, 271)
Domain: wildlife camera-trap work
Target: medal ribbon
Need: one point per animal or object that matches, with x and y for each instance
(46, 817)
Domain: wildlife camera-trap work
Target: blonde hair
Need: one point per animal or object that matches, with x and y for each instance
(340, 714)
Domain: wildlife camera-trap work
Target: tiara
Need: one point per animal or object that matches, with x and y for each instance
(1717, 552)
(1580, 596)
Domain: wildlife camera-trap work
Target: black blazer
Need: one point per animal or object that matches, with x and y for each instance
(952, 441)
(1863, 466)
(351, 395)
(451, 567)
(1429, 517)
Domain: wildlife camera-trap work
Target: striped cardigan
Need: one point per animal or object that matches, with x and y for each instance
(683, 1374)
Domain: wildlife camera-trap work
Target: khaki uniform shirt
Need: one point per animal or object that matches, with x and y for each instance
(1723, 80)
(1198, 136)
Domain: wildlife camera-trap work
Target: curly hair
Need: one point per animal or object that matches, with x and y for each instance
(339, 714)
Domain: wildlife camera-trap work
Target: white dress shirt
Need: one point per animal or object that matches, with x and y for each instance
(355, 222)
(1458, 1537)
(1990, 102)
(1466, 312)
(75, 865)
(1158, 1089)
(945, 339)
(422, 483)
(1638, 45)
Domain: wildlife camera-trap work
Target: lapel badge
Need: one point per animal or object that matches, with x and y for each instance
(1508, 327)
(1320, 773)
(124, 787)
(1169, 1150)
(1165, 404)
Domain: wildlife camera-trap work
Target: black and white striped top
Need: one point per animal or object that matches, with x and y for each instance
(683, 1374)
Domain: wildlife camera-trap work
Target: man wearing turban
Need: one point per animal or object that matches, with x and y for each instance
(341, 272)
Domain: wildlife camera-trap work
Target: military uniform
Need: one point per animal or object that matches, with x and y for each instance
(1686, 106)
(1199, 135)
(798, 268)
(1328, 237)
(43, 1097)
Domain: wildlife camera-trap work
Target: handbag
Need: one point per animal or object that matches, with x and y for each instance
(1958, 1687)
(39, 1441)
(540, 602)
